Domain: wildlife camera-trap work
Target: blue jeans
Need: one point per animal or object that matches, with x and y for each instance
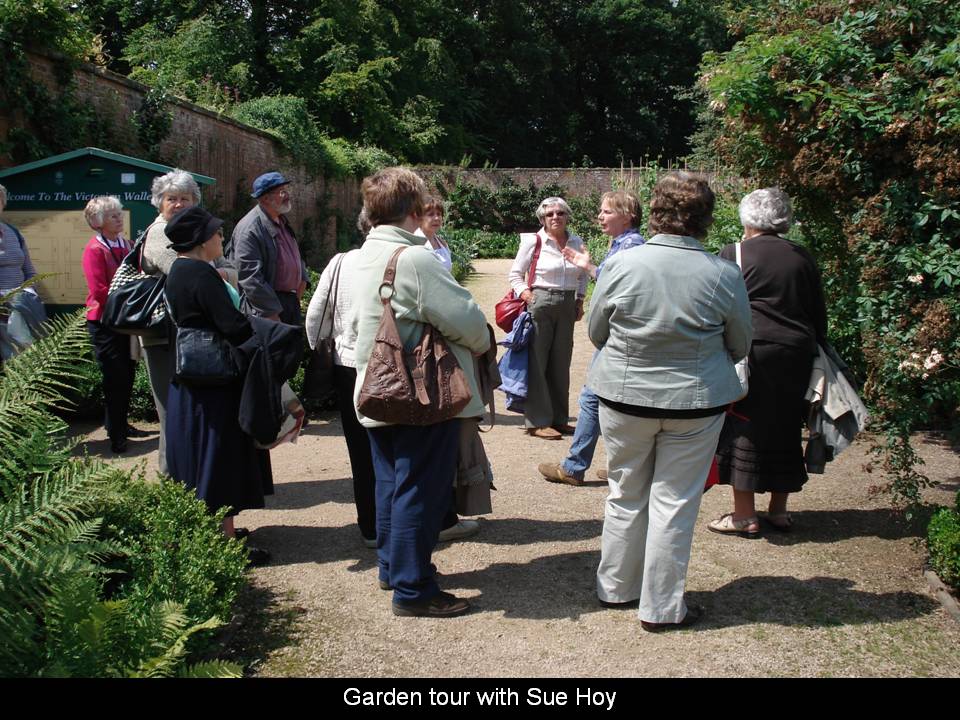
(585, 436)
(415, 467)
(587, 433)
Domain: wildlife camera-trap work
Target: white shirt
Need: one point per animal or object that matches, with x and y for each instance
(439, 249)
(553, 271)
(341, 331)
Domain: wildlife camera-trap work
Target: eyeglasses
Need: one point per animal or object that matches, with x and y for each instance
(555, 213)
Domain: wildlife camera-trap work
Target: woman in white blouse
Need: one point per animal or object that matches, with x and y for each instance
(430, 223)
(554, 297)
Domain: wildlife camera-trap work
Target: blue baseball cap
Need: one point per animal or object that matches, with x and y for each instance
(267, 182)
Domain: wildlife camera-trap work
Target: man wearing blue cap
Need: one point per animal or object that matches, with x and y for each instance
(273, 276)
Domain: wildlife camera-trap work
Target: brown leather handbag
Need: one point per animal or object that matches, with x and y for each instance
(421, 387)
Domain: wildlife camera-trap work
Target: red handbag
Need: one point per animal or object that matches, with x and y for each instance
(508, 309)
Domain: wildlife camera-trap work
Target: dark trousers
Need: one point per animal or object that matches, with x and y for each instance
(112, 351)
(358, 447)
(414, 467)
(291, 308)
(361, 462)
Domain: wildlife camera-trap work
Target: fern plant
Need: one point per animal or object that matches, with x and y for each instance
(54, 558)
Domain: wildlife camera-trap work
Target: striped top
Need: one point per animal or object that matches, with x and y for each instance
(15, 265)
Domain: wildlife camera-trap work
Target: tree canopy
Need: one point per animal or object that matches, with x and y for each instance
(513, 82)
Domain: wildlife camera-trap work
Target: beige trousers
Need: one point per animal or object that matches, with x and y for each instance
(657, 470)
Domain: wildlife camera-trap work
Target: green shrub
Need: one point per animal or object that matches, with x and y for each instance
(56, 616)
(176, 550)
(943, 543)
(287, 117)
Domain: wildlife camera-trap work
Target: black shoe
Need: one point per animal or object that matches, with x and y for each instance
(133, 432)
(384, 585)
(118, 447)
(241, 533)
(257, 557)
(693, 615)
(441, 605)
(620, 605)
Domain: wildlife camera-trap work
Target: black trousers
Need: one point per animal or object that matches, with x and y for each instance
(358, 447)
(112, 351)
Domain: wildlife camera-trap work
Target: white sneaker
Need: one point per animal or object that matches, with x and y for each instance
(463, 529)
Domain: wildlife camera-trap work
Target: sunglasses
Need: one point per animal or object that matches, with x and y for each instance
(555, 213)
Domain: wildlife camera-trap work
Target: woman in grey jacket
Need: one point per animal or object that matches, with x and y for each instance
(670, 320)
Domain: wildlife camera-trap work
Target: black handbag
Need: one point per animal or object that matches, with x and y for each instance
(318, 382)
(135, 300)
(201, 356)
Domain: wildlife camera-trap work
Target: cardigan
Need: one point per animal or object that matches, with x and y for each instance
(100, 264)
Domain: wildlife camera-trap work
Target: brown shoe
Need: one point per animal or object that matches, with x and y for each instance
(442, 605)
(565, 429)
(603, 475)
(544, 433)
(693, 615)
(554, 473)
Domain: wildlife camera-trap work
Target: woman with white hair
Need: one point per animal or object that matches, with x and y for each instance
(761, 450)
(171, 193)
(554, 294)
(101, 258)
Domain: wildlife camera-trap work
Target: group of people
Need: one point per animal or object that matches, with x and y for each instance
(205, 440)
(669, 321)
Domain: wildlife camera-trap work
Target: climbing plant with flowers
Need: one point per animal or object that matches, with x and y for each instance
(854, 109)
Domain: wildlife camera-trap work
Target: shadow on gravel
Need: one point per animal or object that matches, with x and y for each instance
(308, 493)
(827, 526)
(564, 588)
(295, 544)
(814, 602)
(135, 448)
(263, 622)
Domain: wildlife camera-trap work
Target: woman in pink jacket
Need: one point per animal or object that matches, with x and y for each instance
(101, 258)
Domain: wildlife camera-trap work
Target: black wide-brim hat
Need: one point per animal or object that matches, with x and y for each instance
(190, 227)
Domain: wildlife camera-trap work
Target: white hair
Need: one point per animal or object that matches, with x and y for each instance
(767, 209)
(550, 202)
(174, 181)
(98, 207)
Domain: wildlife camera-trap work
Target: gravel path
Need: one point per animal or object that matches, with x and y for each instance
(842, 595)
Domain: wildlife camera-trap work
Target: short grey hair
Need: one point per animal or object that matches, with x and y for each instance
(3, 197)
(767, 209)
(98, 207)
(174, 181)
(550, 202)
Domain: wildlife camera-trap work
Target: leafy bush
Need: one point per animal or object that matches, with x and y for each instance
(56, 616)
(176, 550)
(853, 108)
(484, 244)
(288, 118)
(84, 399)
(943, 543)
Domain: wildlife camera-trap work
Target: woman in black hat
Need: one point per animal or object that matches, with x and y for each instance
(206, 448)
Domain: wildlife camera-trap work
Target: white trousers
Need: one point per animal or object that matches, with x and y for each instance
(657, 469)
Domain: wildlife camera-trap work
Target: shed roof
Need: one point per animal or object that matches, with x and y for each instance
(106, 154)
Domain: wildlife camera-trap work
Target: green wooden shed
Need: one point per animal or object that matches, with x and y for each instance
(45, 200)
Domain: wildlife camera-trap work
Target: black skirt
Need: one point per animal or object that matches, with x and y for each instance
(208, 451)
(761, 451)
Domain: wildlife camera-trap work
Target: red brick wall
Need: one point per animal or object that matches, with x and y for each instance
(204, 142)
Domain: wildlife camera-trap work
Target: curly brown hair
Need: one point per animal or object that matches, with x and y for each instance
(682, 204)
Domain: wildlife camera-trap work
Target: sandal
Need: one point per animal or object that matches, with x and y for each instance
(726, 525)
(781, 522)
